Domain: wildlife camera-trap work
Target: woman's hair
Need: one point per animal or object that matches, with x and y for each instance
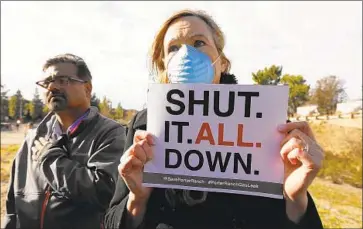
(157, 50)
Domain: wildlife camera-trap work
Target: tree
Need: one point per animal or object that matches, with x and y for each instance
(20, 103)
(328, 92)
(105, 107)
(29, 110)
(119, 113)
(95, 101)
(268, 76)
(37, 109)
(4, 103)
(298, 93)
(13, 101)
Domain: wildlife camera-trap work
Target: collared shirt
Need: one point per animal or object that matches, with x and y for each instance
(57, 129)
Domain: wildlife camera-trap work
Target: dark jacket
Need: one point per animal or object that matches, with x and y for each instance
(79, 171)
(222, 211)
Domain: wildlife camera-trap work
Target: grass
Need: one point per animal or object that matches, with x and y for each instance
(343, 153)
(339, 206)
(6, 158)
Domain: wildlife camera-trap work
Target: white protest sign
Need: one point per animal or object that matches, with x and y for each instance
(217, 138)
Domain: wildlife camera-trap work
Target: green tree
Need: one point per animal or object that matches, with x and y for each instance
(37, 110)
(13, 101)
(105, 107)
(4, 103)
(119, 112)
(298, 93)
(268, 76)
(95, 101)
(20, 103)
(29, 109)
(328, 92)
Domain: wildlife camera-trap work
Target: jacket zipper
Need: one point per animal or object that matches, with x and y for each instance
(44, 207)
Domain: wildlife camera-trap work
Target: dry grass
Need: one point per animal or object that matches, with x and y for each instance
(339, 206)
(6, 158)
(336, 138)
(343, 153)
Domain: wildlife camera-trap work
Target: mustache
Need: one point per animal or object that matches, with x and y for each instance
(55, 93)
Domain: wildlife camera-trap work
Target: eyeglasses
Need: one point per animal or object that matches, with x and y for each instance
(59, 80)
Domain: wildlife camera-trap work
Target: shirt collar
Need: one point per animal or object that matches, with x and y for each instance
(57, 129)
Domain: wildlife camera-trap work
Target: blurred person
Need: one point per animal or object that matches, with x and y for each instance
(188, 48)
(64, 174)
(18, 122)
(28, 127)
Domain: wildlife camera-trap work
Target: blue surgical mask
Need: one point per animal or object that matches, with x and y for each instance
(189, 65)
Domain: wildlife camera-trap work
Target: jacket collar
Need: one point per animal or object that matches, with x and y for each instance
(45, 127)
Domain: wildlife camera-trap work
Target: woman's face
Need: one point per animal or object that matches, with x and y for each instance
(195, 32)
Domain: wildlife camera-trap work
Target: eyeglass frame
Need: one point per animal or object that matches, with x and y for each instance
(69, 79)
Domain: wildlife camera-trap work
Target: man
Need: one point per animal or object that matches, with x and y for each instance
(64, 174)
(17, 124)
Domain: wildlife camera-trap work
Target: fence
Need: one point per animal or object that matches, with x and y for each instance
(328, 117)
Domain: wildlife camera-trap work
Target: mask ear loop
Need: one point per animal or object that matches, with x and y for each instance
(217, 59)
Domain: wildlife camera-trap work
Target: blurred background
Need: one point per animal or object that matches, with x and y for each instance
(315, 47)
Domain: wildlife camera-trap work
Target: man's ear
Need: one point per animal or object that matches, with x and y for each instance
(88, 88)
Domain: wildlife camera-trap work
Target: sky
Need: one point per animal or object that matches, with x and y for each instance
(312, 39)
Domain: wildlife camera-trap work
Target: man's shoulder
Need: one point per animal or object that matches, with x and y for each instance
(109, 123)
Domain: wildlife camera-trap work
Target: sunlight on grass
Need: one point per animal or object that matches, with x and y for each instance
(339, 206)
(6, 156)
(343, 153)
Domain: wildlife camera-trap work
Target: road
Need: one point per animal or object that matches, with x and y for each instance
(12, 137)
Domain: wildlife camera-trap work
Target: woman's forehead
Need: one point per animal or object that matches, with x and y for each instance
(187, 27)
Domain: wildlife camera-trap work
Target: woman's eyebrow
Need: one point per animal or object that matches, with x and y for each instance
(188, 36)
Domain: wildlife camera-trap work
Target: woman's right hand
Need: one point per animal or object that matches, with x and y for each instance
(132, 165)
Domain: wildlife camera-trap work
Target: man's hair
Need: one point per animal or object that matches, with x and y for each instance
(82, 70)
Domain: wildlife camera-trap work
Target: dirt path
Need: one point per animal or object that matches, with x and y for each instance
(12, 137)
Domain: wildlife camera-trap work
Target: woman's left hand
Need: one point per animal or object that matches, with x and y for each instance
(303, 158)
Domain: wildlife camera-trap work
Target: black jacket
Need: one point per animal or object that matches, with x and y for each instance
(81, 176)
(219, 211)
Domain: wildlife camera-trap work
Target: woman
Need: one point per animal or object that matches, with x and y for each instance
(189, 49)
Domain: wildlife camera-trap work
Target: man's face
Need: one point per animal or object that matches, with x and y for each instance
(65, 90)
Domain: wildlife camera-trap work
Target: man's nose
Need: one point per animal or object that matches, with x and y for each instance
(52, 86)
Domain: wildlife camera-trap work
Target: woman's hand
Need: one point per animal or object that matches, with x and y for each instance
(302, 158)
(131, 170)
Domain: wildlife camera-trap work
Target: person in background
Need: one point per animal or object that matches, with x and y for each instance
(189, 49)
(64, 174)
(28, 128)
(18, 122)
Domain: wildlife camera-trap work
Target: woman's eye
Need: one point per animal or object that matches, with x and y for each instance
(173, 48)
(199, 43)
